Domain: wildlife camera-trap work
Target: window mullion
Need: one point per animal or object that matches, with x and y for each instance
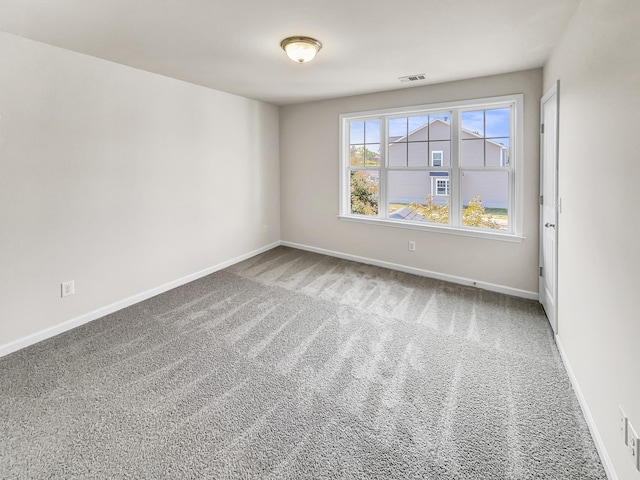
(515, 137)
(345, 170)
(383, 204)
(455, 197)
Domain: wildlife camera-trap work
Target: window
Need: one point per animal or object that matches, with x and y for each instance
(441, 186)
(450, 167)
(436, 158)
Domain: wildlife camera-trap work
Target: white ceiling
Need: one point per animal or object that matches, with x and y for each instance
(234, 45)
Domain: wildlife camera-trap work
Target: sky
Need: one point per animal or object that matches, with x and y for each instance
(493, 123)
(488, 123)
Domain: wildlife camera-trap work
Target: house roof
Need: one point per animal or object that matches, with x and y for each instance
(400, 139)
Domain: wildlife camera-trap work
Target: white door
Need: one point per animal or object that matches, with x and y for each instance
(548, 287)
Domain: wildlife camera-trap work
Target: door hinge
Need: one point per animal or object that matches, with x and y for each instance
(541, 199)
(540, 271)
(542, 128)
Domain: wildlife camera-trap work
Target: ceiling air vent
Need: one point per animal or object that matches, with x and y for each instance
(412, 78)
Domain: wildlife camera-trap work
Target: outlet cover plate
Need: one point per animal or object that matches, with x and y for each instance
(67, 288)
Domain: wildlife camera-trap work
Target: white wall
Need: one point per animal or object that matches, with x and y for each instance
(309, 187)
(121, 180)
(598, 65)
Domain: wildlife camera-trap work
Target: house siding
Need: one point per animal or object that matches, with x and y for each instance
(491, 187)
(476, 152)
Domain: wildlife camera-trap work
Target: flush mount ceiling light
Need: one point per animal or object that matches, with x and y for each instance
(301, 49)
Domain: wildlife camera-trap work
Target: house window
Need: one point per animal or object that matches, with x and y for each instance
(436, 158)
(451, 167)
(440, 186)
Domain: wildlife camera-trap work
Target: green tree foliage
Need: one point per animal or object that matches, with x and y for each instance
(362, 156)
(364, 194)
(433, 212)
(473, 215)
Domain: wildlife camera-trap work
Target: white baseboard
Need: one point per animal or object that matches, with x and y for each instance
(597, 439)
(114, 307)
(419, 271)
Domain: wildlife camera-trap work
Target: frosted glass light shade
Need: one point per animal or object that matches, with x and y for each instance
(301, 49)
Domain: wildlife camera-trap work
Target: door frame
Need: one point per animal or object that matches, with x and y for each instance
(553, 316)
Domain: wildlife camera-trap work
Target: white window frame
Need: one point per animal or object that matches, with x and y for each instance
(433, 161)
(514, 169)
(434, 186)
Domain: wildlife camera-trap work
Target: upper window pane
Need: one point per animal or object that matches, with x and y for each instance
(417, 154)
(440, 126)
(473, 152)
(440, 151)
(356, 155)
(372, 155)
(486, 138)
(413, 139)
(356, 132)
(473, 122)
(498, 122)
(372, 131)
(397, 129)
(418, 128)
(364, 155)
(497, 152)
(397, 154)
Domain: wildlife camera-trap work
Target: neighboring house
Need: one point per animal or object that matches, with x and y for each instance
(430, 146)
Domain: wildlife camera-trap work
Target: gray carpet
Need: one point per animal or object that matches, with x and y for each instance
(295, 365)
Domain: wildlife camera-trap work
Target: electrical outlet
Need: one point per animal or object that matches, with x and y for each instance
(622, 424)
(633, 445)
(412, 246)
(265, 228)
(67, 288)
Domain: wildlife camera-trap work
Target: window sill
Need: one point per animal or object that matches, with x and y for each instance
(504, 237)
